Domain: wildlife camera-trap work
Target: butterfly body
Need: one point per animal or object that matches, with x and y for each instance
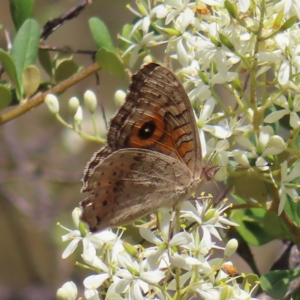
(152, 158)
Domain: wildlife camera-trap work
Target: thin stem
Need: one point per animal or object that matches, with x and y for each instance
(95, 128)
(38, 99)
(82, 134)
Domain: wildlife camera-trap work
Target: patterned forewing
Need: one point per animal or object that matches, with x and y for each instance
(157, 103)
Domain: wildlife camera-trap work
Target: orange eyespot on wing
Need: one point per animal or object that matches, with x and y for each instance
(157, 115)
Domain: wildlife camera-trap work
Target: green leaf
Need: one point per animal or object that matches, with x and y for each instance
(289, 23)
(26, 46)
(45, 60)
(20, 11)
(101, 34)
(110, 61)
(276, 283)
(292, 208)
(242, 186)
(297, 142)
(231, 8)
(275, 227)
(226, 42)
(5, 96)
(10, 68)
(250, 226)
(31, 78)
(62, 56)
(65, 70)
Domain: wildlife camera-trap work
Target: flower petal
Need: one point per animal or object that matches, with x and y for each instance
(94, 281)
(71, 248)
(275, 116)
(284, 73)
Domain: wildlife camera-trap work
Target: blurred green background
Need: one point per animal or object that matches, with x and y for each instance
(41, 162)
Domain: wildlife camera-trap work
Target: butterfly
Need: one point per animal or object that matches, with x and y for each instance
(152, 158)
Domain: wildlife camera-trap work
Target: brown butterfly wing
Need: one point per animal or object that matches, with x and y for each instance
(131, 183)
(124, 179)
(158, 116)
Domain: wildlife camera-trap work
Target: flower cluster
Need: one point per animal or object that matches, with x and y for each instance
(173, 263)
(249, 54)
(239, 63)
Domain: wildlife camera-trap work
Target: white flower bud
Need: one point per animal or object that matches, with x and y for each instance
(52, 103)
(230, 248)
(240, 157)
(294, 120)
(78, 115)
(90, 101)
(76, 213)
(148, 59)
(275, 146)
(119, 98)
(67, 292)
(277, 142)
(73, 105)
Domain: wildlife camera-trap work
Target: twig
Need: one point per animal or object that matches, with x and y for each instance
(52, 25)
(67, 50)
(39, 98)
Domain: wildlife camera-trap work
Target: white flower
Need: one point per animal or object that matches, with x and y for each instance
(209, 218)
(288, 189)
(90, 241)
(204, 118)
(136, 278)
(218, 149)
(289, 7)
(162, 242)
(277, 115)
(67, 292)
(266, 143)
(173, 9)
(91, 295)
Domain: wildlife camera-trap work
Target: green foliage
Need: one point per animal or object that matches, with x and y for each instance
(106, 56)
(25, 46)
(101, 34)
(110, 61)
(10, 68)
(5, 96)
(276, 283)
(251, 226)
(65, 69)
(20, 11)
(31, 78)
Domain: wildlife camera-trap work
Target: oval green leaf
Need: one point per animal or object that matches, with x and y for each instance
(101, 34)
(275, 227)
(65, 70)
(5, 96)
(20, 11)
(242, 186)
(109, 61)
(26, 45)
(45, 60)
(10, 68)
(251, 225)
(276, 283)
(31, 78)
